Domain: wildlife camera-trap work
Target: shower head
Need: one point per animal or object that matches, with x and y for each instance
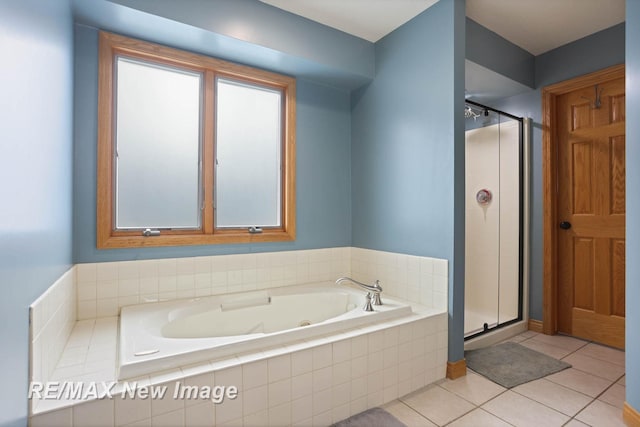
(469, 113)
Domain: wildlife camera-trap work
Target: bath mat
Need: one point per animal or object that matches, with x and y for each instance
(374, 417)
(510, 364)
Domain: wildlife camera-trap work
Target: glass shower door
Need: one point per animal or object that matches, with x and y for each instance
(492, 220)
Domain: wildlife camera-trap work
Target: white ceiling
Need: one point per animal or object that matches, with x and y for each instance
(542, 25)
(536, 26)
(368, 19)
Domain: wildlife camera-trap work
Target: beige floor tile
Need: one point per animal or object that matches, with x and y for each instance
(555, 396)
(523, 412)
(438, 405)
(407, 415)
(575, 423)
(580, 381)
(473, 387)
(548, 349)
(623, 381)
(516, 339)
(521, 337)
(601, 414)
(562, 341)
(603, 353)
(597, 367)
(479, 418)
(615, 396)
(528, 334)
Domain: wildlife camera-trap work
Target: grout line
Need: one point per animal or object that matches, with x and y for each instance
(596, 399)
(475, 405)
(463, 414)
(494, 415)
(493, 398)
(413, 410)
(607, 389)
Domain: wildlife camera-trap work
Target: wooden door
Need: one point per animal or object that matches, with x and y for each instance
(590, 126)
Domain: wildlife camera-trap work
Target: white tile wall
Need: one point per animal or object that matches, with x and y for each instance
(52, 317)
(422, 280)
(103, 288)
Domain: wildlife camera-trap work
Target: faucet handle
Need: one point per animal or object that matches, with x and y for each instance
(367, 304)
(375, 299)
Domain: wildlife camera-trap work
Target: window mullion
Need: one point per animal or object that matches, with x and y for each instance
(208, 151)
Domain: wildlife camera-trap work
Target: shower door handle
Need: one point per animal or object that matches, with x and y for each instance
(565, 225)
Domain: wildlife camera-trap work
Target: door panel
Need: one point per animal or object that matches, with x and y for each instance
(591, 196)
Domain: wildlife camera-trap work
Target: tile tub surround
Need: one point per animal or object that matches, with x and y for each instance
(52, 317)
(100, 289)
(315, 382)
(422, 280)
(103, 288)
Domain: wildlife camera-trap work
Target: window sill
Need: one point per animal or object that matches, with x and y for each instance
(220, 238)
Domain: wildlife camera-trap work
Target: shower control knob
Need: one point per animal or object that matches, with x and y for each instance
(565, 225)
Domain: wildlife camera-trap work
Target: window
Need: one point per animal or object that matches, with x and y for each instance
(192, 150)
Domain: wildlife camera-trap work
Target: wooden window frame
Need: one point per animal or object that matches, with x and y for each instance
(113, 45)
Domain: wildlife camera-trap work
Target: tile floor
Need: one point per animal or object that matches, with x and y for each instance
(590, 393)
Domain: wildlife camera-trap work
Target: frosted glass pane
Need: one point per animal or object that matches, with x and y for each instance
(158, 140)
(248, 155)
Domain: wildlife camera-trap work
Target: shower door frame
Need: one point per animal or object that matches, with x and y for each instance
(521, 234)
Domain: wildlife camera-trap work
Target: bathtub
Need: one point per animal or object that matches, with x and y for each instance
(168, 335)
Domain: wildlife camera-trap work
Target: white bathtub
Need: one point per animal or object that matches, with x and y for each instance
(160, 336)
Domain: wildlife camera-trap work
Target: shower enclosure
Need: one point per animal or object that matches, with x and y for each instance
(493, 219)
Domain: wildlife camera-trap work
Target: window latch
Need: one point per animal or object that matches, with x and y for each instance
(149, 232)
(255, 230)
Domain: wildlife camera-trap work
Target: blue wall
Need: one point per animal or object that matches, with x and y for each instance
(35, 177)
(404, 133)
(633, 205)
(246, 31)
(263, 25)
(486, 48)
(592, 53)
(323, 169)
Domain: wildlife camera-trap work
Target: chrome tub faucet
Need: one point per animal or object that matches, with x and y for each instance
(373, 292)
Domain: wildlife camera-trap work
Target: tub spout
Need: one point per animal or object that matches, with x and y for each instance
(373, 295)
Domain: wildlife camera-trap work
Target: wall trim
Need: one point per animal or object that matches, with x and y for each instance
(630, 416)
(549, 185)
(456, 369)
(536, 325)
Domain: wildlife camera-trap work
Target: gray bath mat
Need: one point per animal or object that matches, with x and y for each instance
(510, 364)
(374, 417)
